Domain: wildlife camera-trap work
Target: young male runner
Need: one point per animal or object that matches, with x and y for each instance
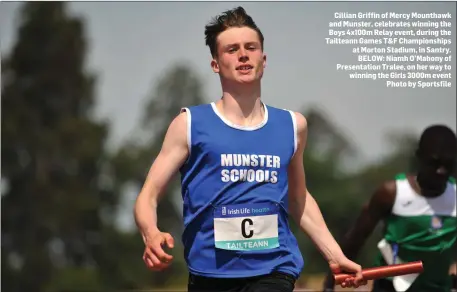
(419, 212)
(241, 164)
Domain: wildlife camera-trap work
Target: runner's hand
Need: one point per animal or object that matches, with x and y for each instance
(344, 265)
(154, 255)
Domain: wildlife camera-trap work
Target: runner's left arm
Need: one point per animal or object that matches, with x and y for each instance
(302, 206)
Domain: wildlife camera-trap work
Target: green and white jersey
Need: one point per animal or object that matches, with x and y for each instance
(425, 229)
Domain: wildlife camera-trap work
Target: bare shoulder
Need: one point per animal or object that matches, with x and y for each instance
(177, 130)
(387, 189)
(302, 123)
(302, 130)
(181, 119)
(384, 196)
(179, 123)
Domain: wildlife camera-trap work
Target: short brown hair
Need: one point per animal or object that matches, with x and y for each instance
(236, 17)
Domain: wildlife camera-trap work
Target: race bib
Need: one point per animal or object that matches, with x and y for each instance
(246, 227)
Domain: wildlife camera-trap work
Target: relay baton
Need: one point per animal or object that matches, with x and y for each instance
(384, 272)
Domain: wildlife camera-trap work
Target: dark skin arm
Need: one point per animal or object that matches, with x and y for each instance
(377, 209)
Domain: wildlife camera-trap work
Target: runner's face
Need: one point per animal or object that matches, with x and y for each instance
(240, 57)
(435, 170)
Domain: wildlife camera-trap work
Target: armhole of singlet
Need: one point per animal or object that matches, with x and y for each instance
(189, 133)
(398, 186)
(454, 213)
(399, 179)
(294, 124)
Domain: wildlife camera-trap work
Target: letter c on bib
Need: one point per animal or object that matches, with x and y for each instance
(243, 228)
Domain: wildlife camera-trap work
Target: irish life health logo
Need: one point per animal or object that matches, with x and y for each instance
(436, 224)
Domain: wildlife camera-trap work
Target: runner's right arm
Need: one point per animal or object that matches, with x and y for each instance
(173, 154)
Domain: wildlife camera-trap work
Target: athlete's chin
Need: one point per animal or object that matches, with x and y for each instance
(434, 189)
(247, 79)
(246, 82)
